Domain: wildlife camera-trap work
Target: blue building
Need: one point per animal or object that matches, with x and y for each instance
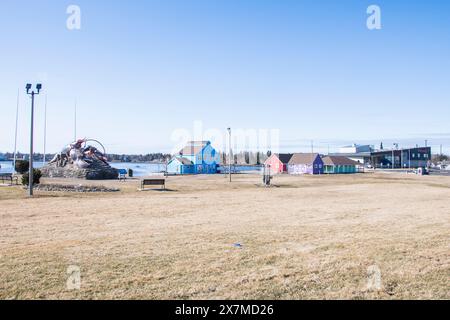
(197, 157)
(180, 165)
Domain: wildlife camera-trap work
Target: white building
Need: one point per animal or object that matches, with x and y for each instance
(356, 152)
(356, 148)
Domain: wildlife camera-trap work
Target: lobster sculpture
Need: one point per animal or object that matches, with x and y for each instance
(80, 154)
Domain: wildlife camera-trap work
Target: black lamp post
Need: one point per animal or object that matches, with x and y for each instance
(30, 172)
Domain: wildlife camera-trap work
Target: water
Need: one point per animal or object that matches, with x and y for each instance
(240, 169)
(7, 166)
(139, 169)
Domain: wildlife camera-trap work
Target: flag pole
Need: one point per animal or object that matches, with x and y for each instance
(15, 134)
(45, 129)
(75, 122)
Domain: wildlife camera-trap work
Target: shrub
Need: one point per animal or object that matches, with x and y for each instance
(37, 174)
(130, 173)
(22, 166)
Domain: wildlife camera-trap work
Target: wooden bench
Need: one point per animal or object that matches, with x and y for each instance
(153, 182)
(10, 177)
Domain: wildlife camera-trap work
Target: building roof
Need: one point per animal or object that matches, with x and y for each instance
(193, 148)
(378, 152)
(339, 161)
(389, 151)
(198, 142)
(353, 155)
(303, 158)
(184, 161)
(355, 145)
(284, 157)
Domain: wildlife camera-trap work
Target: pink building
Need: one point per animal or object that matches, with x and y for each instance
(278, 163)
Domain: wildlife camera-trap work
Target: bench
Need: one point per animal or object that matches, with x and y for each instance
(10, 177)
(153, 182)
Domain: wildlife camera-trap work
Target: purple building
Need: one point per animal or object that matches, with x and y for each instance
(305, 163)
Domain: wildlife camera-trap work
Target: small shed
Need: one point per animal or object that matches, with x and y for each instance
(180, 165)
(340, 165)
(305, 163)
(278, 162)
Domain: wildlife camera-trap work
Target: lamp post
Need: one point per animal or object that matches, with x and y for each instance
(395, 146)
(30, 172)
(392, 167)
(229, 161)
(409, 158)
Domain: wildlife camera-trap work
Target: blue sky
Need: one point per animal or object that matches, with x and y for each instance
(141, 69)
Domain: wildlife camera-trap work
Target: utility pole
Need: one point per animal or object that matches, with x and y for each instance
(229, 169)
(30, 172)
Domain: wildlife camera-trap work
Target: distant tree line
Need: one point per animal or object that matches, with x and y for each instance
(244, 158)
(19, 155)
(150, 157)
(241, 158)
(436, 158)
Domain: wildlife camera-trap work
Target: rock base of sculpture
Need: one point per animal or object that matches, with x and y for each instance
(97, 170)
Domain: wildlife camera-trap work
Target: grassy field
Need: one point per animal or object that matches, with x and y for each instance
(305, 238)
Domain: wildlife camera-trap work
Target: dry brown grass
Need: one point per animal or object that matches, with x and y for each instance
(308, 238)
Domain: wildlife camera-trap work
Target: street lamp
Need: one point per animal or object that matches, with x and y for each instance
(393, 154)
(409, 158)
(30, 172)
(229, 161)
